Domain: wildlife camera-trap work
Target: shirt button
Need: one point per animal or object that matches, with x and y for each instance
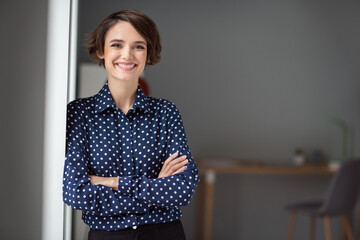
(134, 227)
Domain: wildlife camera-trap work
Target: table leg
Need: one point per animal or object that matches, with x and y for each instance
(200, 198)
(291, 227)
(210, 178)
(347, 226)
(343, 230)
(312, 227)
(327, 227)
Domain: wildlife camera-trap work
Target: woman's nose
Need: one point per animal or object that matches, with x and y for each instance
(126, 53)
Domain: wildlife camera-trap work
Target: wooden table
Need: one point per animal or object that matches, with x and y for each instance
(206, 188)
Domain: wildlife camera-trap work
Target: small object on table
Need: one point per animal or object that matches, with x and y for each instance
(299, 157)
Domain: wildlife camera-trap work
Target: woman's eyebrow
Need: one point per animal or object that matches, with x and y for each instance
(116, 40)
(141, 42)
(119, 40)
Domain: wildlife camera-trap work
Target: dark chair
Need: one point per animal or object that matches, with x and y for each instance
(340, 200)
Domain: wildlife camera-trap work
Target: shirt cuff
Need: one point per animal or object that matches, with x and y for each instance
(126, 186)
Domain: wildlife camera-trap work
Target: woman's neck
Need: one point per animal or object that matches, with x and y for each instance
(123, 94)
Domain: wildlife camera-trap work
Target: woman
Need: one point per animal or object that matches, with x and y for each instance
(128, 167)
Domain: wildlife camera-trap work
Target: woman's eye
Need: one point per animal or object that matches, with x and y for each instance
(116, 45)
(139, 47)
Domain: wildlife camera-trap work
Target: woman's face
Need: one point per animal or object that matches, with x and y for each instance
(125, 53)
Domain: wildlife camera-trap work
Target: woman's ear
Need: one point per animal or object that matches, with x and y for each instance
(100, 55)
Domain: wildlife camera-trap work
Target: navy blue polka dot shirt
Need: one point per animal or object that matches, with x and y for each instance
(103, 141)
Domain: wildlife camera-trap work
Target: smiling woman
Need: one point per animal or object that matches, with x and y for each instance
(128, 166)
(143, 25)
(124, 56)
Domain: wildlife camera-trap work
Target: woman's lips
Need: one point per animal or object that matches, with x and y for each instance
(126, 66)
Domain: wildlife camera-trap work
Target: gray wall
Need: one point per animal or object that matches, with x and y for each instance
(255, 80)
(22, 74)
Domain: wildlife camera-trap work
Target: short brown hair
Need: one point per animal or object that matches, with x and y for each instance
(144, 25)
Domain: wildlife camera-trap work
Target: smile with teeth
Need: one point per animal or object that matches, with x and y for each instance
(126, 66)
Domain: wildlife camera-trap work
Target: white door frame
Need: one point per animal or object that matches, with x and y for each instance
(59, 89)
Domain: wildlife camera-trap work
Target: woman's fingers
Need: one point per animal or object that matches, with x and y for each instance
(179, 170)
(178, 165)
(173, 165)
(171, 158)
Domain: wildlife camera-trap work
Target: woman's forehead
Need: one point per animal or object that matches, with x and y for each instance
(123, 31)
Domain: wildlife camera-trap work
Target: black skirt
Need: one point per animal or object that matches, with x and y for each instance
(160, 231)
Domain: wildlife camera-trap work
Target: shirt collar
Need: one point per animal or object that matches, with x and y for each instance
(103, 100)
(141, 101)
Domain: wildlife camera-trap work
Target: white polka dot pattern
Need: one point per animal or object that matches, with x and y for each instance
(102, 140)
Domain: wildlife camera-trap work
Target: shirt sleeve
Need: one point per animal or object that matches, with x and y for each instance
(176, 190)
(78, 192)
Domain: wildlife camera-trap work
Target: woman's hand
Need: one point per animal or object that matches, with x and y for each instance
(111, 182)
(173, 165)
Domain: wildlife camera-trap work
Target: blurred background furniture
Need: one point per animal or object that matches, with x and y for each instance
(210, 168)
(340, 200)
